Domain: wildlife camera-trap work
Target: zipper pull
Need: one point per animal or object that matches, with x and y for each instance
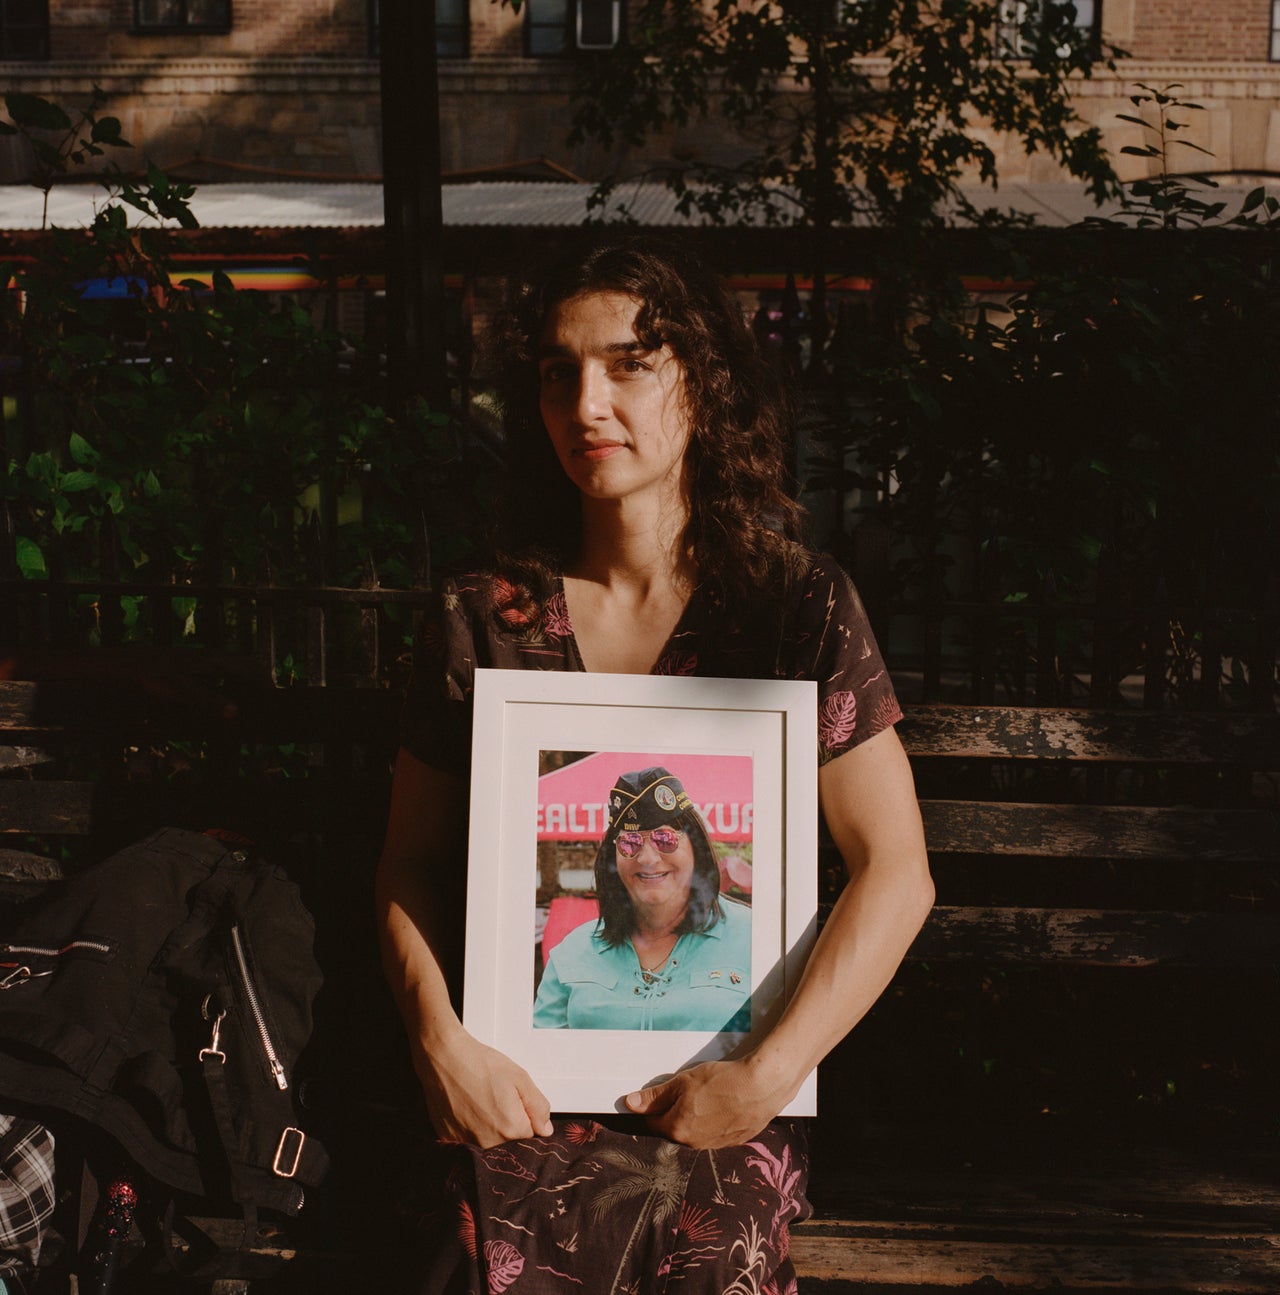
(277, 1071)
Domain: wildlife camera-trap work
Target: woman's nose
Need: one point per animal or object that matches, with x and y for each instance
(591, 400)
(648, 852)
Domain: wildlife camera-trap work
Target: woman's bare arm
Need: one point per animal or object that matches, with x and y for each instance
(474, 1093)
(868, 800)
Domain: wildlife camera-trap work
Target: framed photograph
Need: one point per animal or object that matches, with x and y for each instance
(602, 804)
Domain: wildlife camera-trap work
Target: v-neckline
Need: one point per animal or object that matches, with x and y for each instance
(581, 665)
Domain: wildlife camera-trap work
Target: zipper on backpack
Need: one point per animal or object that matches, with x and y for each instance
(50, 951)
(255, 1007)
(19, 972)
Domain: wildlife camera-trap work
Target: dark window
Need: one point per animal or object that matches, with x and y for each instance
(182, 15)
(547, 33)
(453, 29)
(1275, 30)
(1017, 17)
(559, 27)
(24, 29)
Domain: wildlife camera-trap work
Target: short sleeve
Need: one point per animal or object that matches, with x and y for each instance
(836, 648)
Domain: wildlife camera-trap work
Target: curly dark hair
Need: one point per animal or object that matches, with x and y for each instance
(617, 916)
(742, 514)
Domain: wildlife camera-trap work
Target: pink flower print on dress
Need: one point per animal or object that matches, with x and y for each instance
(511, 602)
(837, 717)
(677, 663)
(467, 1228)
(555, 617)
(886, 714)
(504, 1262)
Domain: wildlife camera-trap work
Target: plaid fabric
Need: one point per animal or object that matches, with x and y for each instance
(26, 1192)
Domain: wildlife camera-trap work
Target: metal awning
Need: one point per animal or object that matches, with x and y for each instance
(507, 204)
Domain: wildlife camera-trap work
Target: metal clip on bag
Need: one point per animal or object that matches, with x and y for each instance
(164, 996)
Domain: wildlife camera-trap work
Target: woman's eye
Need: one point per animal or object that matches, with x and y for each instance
(555, 373)
(633, 366)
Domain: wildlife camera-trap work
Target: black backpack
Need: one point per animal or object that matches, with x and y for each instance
(163, 996)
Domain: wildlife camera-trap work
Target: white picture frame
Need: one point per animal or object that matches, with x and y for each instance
(521, 713)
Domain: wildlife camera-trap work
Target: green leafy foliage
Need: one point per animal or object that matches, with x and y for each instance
(1105, 432)
(843, 110)
(200, 420)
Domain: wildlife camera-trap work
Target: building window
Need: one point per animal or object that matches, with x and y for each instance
(24, 29)
(1017, 18)
(546, 32)
(558, 27)
(182, 15)
(1275, 30)
(453, 29)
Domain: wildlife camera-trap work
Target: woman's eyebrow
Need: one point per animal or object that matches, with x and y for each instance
(552, 350)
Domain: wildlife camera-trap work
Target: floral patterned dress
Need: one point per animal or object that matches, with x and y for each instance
(606, 1208)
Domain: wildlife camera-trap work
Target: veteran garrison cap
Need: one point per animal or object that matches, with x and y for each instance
(645, 799)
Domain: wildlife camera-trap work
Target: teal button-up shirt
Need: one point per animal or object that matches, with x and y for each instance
(704, 985)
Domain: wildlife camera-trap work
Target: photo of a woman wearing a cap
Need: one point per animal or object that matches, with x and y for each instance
(669, 952)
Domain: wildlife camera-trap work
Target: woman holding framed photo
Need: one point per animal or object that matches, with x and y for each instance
(648, 529)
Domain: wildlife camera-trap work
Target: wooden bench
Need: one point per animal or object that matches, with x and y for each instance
(1037, 820)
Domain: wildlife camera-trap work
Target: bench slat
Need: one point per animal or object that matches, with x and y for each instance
(1100, 831)
(46, 808)
(44, 711)
(1100, 937)
(851, 1257)
(1025, 733)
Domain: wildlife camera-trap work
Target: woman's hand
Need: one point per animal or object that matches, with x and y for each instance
(716, 1104)
(476, 1094)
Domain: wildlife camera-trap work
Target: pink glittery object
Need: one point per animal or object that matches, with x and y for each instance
(122, 1202)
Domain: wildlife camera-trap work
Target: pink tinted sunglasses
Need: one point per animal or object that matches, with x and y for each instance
(665, 840)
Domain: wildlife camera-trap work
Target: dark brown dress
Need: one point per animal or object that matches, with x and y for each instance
(609, 1208)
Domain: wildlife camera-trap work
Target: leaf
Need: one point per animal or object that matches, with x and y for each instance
(81, 451)
(106, 130)
(1253, 200)
(34, 112)
(29, 558)
(78, 480)
(1141, 150)
(504, 1262)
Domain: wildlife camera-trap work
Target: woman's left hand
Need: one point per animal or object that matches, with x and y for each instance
(716, 1104)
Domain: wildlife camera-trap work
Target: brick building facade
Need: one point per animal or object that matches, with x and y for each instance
(290, 88)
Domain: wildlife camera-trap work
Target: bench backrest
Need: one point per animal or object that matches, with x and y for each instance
(1177, 809)
(1036, 819)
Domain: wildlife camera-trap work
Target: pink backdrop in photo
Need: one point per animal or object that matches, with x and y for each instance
(571, 807)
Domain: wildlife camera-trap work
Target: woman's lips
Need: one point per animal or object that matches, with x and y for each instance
(597, 451)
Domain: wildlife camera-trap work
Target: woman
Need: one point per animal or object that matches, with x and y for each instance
(654, 533)
(668, 953)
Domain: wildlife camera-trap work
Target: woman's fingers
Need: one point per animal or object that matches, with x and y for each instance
(536, 1107)
(476, 1094)
(711, 1105)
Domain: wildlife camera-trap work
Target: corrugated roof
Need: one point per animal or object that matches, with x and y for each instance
(505, 204)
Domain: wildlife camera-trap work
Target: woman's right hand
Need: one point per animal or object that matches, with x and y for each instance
(477, 1094)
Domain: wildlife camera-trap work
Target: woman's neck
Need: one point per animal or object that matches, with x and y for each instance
(634, 544)
(658, 928)
(628, 588)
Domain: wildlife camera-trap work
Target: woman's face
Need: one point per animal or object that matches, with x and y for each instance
(615, 410)
(654, 879)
